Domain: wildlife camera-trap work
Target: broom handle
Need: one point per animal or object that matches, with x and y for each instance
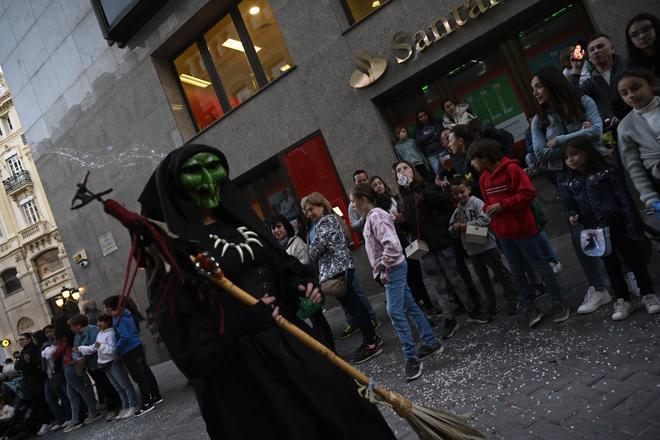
(306, 339)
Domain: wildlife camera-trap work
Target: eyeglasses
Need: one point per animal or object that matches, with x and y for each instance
(645, 30)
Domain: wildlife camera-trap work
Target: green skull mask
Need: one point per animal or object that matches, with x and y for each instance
(201, 176)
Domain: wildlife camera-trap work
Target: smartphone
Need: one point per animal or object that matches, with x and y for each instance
(578, 53)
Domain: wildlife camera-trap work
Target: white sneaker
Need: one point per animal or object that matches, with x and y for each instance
(593, 300)
(130, 412)
(651, 303)
(621, 310)
(120, 416)
(556, 267)
(632, 283)
(55, 427)
(44, 429)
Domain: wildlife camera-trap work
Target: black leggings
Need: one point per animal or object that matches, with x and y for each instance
(626, 249)
(136, 363)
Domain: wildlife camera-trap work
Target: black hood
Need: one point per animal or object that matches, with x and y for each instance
(164, 199)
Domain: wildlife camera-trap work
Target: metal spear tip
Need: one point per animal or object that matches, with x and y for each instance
(83, 195)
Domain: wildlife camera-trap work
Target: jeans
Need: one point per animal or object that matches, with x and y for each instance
(352, 305)
(78, 387)
(492, 259)
(118, 377)
(416, 283)
(546, 248)
(136, 364)
(401, 306)
(357, 288)
(529, 249)
(105, 392)
(57, 400)
(590, 266)
(443, 261)
(626, 249)
(434, 161)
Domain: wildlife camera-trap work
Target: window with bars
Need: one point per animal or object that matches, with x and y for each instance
(231, 61)
(356, 10)
(31, 212)
(14, 164)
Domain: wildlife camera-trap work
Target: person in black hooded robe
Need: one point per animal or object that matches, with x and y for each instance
(252, 380)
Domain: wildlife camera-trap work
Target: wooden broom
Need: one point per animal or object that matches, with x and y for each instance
(430, 424)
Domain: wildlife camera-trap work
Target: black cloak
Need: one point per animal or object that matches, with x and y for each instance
(252, 380)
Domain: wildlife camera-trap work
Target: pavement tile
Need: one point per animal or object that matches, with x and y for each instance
(645, 380)
(652, 433)
(615, 435)
(586, 428)
(615, 387)
(512, 431)
(549, 431)
(628, 425)
(637, 402)
(600, 405)
(582, 391)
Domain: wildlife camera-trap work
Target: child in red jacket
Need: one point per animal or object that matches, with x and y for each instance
(508, 195)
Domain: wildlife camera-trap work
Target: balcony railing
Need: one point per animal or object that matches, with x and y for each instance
(17, 181)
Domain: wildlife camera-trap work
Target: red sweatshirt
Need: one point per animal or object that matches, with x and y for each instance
(510, 186)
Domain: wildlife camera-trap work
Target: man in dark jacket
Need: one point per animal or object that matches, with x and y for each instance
(605, 74)
(29, 364)
(486, 129)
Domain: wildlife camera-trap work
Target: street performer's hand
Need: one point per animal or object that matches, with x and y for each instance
(269, 300)
(311, 292)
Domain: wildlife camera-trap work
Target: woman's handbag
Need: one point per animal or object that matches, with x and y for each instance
(596, 242)
(335, 287)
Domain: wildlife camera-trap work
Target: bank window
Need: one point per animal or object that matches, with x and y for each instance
(356, 10)
(31, 212)
(231, 61)
(542, 43)
(10, 281)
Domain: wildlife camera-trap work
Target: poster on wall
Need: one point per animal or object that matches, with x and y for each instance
(107, 243)
(497, 102)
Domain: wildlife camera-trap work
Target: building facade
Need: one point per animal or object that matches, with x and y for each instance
(111, 87)
(33, 263)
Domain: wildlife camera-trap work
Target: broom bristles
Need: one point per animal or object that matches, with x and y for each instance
(434, 424)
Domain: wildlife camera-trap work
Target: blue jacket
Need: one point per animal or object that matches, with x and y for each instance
(128, 337)
(88, 337)
(563, 132)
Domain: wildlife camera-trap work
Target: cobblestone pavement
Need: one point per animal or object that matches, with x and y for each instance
(588, 377)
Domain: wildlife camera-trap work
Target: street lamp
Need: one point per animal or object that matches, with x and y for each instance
(67, 300)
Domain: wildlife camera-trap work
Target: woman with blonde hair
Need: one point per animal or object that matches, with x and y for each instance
(328, 248)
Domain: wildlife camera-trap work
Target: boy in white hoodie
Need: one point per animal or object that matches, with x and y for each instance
(106, 348)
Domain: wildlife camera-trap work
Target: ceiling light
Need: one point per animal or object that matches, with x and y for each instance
(285, 67)
(254, 10)
(375, 4)
(193, 80)
(59, 302)
(237, 45)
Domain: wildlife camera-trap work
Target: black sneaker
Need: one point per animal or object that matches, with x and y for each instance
(449, 328)
(157, 400)
(147, 407)
(425, 351)
(366, 352)
(560, 312)
(533, 316)
(413, 369)
(349, 331)
(477, 317)
(375, 323)
(540, 290)
(511, 309)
